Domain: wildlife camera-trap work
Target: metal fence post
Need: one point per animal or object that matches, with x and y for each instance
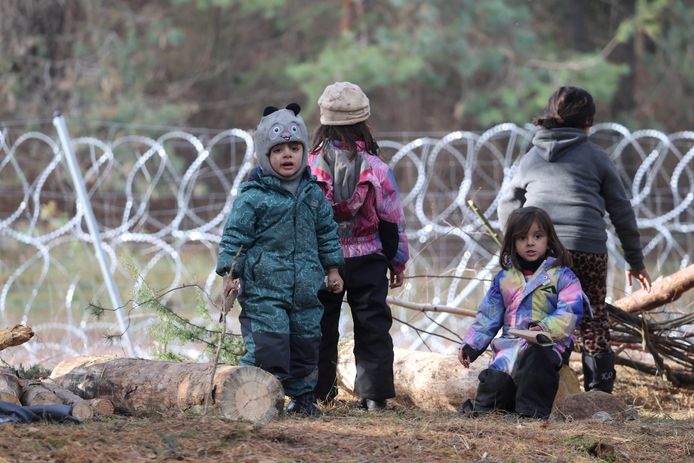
(81, 192)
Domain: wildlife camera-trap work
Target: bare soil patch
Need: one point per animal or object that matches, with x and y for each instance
(662, 432)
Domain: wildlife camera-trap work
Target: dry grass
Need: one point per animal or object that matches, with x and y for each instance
(664, 431)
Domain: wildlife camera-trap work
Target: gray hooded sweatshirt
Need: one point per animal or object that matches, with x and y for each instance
(575, 181)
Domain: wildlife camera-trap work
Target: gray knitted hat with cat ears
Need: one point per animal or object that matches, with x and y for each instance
(343, 103)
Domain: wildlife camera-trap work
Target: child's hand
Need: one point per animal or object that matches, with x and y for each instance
(463, 358)
(334, 283)
(396, 279)
(230, 285)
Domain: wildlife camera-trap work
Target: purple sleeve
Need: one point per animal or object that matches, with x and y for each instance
(488, 321)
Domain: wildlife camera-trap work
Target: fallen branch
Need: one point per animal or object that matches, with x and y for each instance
(663, 340)
(15, 336)
(226, 307)
(683, 377)
(430, 307)
(664, 290)
(495, 236)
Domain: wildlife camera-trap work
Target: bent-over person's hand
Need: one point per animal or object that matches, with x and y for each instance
(334, 281)
(463, 358)
(642, 276)
(230, 285)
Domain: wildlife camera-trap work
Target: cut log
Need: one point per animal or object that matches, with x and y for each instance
(10, 388)
(143, 387)
(15, 336)
(101, 407)
(80, 408)
(433, 381)
(663, 291)
(35, 393)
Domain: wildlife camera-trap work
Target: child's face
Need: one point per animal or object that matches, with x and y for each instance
(533, 245)
(286, 158)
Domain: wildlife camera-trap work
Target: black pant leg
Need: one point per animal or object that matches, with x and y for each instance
(537, 381)
(326, 388)
(496, 391)
(373, 346)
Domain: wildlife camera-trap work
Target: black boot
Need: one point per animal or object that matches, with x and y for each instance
(496, 391)
(598, 371)
(374, 405)
(304, 404)
(329, 398)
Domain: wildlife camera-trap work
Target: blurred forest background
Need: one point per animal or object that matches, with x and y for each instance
(428, 66)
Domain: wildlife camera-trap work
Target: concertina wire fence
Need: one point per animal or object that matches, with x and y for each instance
(159, 205)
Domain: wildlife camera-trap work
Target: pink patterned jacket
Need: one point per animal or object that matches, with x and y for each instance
(376, 198)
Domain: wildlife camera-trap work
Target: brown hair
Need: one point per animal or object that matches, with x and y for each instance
(348, 135)
(568, 107)
(519, 222)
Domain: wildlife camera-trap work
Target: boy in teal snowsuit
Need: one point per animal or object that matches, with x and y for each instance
(284, 240)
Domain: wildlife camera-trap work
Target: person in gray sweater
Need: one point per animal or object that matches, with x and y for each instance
(575, 181)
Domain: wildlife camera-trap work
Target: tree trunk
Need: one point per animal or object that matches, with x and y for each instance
(10, 389)
(138, 386)
(663, 291)
(432, 381)
(15, 336)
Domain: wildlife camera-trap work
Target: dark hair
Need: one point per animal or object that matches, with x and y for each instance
(348, 135)
(519, 222)
(568, 107)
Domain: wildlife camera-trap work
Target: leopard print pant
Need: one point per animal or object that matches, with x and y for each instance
(591, 270)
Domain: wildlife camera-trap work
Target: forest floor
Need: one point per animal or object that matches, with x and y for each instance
(663, 431)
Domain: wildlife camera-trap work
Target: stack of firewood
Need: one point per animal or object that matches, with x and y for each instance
(21, 391)
(668, 338)
(96, 386)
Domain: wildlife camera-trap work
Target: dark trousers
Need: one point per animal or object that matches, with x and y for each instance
(530, 393)
(366, 285)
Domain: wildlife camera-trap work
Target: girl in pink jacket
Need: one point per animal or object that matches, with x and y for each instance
(371, 226)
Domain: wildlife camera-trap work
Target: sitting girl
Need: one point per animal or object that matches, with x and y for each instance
(535, 290)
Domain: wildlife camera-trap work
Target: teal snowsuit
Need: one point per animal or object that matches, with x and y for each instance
(287, 242)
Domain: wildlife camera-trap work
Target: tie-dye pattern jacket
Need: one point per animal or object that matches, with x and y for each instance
(376, 198)
(551, 298)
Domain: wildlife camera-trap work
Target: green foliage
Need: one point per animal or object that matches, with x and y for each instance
(666, 74)
(170, 329)
(425, 65)
(482, 54)
(266, 7)
(35, 371)
(370, 65)
(100, 65)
